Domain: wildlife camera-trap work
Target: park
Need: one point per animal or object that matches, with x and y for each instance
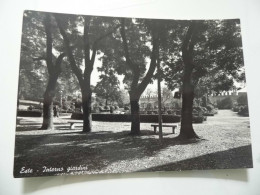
(225, 144)
(101, 95)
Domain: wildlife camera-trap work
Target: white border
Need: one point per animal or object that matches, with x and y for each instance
(240, 181)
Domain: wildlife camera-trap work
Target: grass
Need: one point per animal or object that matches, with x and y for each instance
(225, 143)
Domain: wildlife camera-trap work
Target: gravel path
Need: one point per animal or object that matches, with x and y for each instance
(108, 149)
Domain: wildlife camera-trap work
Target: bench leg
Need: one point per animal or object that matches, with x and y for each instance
(173, 130)
(154, 129)
(72, 126)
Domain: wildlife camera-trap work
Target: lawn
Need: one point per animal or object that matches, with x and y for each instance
(225, 143)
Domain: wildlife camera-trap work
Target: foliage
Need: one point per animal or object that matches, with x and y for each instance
(226, 103)
(242, 99)
(33, 74)
(243, 110)
(132, 52)
(144, 118)
(218, 57)
(29, 113)
(108, 87)
(33, 69)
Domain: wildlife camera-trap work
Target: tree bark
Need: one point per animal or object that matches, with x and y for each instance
(135, 116)
(47, 123)
(54, 71)
(187, 131)
(86, 104)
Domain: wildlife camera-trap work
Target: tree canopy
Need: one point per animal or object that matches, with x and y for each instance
(33, 67)
(218, 57)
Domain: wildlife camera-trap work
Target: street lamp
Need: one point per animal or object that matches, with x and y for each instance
(61, 98)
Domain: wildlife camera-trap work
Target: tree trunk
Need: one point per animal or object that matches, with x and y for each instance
(47, 123)
(187, 131)
(135, 117)
(86, 104)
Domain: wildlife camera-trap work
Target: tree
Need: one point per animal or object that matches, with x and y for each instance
(40, 28)
(54, 70)
(85, 49)
(136, 88)
(33, 74)
(189, 42)
(166, 95)
(123, 98)
(108, 87)
(211, 52)
(136, 51)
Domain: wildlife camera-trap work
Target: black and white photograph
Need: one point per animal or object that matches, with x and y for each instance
(107, 95)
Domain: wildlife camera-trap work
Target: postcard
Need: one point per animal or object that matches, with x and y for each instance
(102, 95)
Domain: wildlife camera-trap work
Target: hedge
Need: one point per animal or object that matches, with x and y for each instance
(144, 118)
(29, 113)
(243, 111)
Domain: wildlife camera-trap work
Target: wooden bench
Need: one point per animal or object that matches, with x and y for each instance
(157, 125)
(73, 123)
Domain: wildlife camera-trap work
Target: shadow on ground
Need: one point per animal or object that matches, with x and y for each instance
(99, 150)
(210, 161)
(96, 150)
(240, 157)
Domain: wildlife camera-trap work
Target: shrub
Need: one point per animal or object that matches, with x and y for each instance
(235, 108)
(242, 99)
(210, 107)
(226, 103)
(144, 118)
(243, 111)
(169, 111)
(198, 119)
(149, 112)
(29, 113)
